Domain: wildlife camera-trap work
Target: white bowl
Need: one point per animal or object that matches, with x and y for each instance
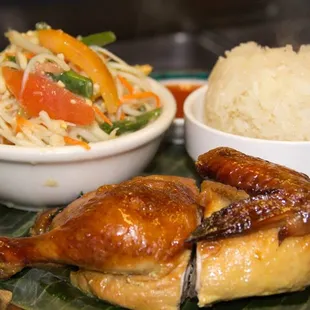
(176, 131)
(33, 178)
(200, 138)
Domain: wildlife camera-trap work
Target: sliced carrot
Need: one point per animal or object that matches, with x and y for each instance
(147, 94)
(122, 117)
(126, 84)
(21, 122)
(29, 55)
(72, 141)
(102, 115)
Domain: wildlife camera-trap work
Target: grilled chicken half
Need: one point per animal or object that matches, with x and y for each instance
(128, 241)
(254, 239)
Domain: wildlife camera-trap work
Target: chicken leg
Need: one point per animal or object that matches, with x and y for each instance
(136, 227)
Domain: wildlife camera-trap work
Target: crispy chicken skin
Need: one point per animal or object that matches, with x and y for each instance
(278, 197)
(136, 227)
(253, 239)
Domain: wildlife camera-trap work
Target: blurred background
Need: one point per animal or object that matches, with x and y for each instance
(177, 35)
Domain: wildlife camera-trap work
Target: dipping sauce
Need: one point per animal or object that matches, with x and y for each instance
(180, 93)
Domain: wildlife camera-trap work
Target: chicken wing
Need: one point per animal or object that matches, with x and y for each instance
(256, 205)
(278, 196)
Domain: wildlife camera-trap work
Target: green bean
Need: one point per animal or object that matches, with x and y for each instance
(75, 82)
(100, 39)
(131, 125)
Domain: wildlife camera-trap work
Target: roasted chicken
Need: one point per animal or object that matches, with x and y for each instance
(254, 237)
(134, 242)
(133, 232)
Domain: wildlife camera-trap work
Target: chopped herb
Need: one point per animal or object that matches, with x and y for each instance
(11, 58)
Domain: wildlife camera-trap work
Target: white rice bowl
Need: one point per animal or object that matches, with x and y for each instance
(261, 92)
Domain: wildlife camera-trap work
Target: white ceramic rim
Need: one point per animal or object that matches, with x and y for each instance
(179, 121)
(197, 95)
(98, 149)
(169, 81)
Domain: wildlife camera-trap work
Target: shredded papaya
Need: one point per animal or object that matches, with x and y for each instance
(28, 55)
(146, 69)
(72, 141)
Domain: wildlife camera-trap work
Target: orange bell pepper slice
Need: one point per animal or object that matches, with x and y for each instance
(82, 56)
(42, 94)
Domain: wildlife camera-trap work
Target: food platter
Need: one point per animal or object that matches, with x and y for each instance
(214, 228)
(50, 289)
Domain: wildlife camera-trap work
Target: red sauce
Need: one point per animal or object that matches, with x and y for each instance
(180, 93)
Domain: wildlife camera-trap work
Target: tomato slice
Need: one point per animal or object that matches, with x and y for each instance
(42, 94)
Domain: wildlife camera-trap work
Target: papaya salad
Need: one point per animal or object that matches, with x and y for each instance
(57, 90)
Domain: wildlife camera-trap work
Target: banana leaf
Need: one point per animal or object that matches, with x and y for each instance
(15, 223)
(36, 289)
(50, 289)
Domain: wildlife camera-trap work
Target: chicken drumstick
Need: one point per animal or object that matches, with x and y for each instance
(136, 227)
